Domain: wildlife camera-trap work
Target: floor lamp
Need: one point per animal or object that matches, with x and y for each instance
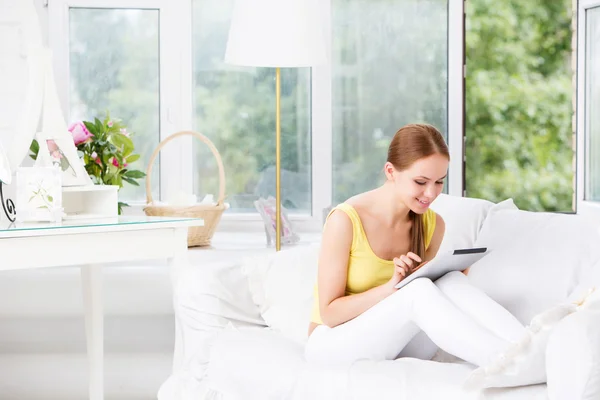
(277, 34)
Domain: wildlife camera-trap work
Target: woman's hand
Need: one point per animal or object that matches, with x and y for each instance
(403, 266)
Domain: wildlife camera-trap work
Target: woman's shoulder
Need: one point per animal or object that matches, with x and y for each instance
(354, 209)
(361, 201)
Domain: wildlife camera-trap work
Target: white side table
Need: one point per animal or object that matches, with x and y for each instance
(90, 244)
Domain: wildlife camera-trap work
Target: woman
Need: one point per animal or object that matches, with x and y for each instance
(377, 238)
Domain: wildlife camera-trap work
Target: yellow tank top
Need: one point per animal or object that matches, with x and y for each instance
(365, 269)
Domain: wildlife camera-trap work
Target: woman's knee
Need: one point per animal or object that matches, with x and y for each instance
(421, 285)
(450, 279)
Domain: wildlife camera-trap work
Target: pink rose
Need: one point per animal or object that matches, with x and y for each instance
(80, 133)
(115, 162)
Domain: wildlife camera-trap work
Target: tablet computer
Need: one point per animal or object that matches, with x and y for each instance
(441, 264)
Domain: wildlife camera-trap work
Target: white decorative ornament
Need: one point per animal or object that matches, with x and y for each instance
(21, 79)
(39, 194)
(27, 82)
(56, 146)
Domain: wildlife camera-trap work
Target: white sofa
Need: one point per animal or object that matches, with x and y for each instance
(242, 326)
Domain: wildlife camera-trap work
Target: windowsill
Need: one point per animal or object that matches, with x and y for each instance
(231, 247)
(247, 223)
(589, 209)
(239, 241)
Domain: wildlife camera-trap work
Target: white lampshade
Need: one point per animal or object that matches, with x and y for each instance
(276, 33)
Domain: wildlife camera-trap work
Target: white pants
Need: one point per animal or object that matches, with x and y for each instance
(456, 316)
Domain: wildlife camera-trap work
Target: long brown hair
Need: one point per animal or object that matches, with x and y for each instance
(411, 143)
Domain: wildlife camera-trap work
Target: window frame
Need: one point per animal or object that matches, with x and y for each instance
(174, 75)
(583, 206)
(176, 110)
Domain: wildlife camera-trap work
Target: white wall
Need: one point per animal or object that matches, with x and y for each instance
(42, 10)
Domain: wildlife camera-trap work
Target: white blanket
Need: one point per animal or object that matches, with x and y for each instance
(261, 364)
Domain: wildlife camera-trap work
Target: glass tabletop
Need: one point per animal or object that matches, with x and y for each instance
(6, 225)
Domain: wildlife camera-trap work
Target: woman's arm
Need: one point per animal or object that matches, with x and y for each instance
(335, 307)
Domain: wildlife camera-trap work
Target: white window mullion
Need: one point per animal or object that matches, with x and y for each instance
(175, 97)
(183, 36)
(584, 205)
(322, 128)
(174, 69)
(456, 97)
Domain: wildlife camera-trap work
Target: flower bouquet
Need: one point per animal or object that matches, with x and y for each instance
(106, 149)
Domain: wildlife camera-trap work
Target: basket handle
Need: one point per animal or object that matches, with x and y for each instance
(206, 141)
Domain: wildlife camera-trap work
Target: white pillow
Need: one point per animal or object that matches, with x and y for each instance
(536, 260)
(281, 284)
(463, 217)
(573, 355)
(253, 364)
(524, 362)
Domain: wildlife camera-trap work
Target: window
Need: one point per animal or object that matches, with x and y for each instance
(158, 65)
(588, 102)
(116, 69)
(390, 68)
(519, 104)
(235, 108)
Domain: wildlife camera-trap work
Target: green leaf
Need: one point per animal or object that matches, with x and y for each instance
(120, 207)
(132, 173)
(117, 180)
(132, 158)
(123, 143)
(91, 127)
(50, 198)
(130, 180)
(35, 149)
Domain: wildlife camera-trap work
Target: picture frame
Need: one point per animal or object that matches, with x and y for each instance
(267, 210)
(39, 194)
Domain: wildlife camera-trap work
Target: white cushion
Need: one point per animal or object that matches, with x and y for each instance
(463, 217)
(573, 355)
(537, 259)
(524, 362)
(281, 284)
(256, 361)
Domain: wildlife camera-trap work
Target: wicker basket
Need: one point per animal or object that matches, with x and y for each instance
(211, 214)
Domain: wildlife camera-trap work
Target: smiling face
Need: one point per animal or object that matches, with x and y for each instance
(419, 185)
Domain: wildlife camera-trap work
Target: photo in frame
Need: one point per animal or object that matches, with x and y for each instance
(39, 194)
(267, 210)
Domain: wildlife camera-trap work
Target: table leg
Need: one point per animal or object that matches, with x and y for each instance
(177, 265)
(91, 279)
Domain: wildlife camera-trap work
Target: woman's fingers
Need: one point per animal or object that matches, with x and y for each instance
(407, 260)
(401, 267)
(413, 256)
(408, 263)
